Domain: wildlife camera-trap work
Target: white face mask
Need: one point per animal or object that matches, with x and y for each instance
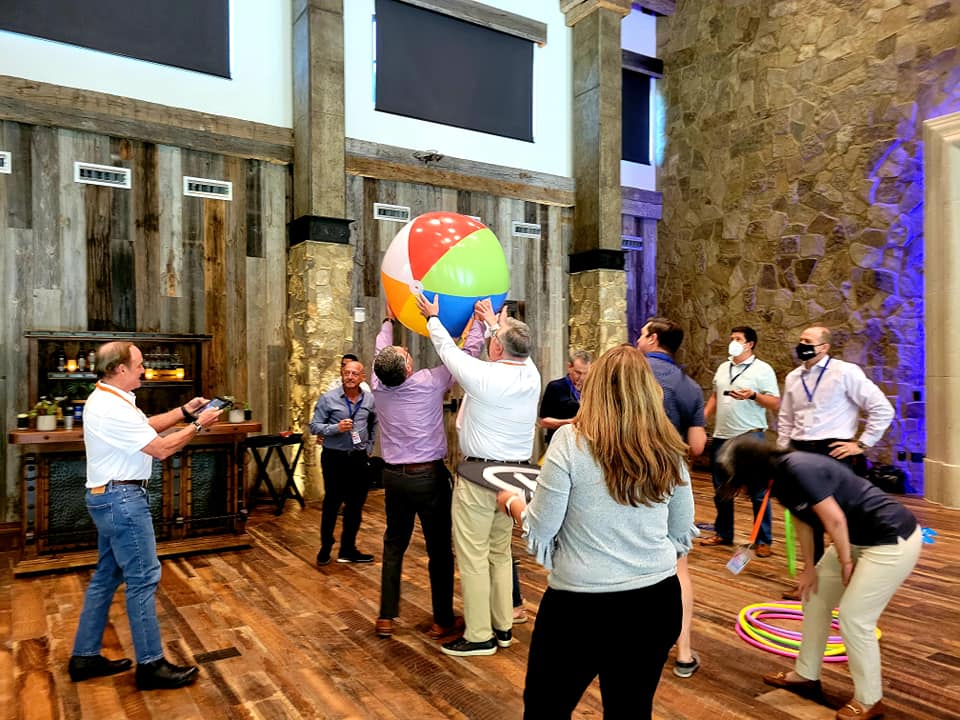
(735, 348)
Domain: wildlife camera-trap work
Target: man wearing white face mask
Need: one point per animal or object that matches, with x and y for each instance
(744, 388)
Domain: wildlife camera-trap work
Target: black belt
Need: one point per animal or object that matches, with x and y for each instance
(344, 452)
(141, 483)
(412, 467)
(471, 458)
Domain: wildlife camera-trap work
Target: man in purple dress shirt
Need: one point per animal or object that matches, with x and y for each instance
(415, 480)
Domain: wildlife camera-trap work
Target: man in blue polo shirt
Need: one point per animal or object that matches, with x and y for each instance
(683, 400)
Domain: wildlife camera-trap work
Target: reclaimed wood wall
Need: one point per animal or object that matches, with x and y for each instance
(148, 259)
(538, 267)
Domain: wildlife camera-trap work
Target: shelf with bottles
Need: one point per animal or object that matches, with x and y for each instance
(63, 364)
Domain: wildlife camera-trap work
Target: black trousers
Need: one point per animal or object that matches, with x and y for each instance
(857, 463)
(346, 483)
(425, 494)
(568, 650)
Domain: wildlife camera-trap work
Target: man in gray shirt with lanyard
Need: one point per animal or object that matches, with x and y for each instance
(345, 417)
(744, 388)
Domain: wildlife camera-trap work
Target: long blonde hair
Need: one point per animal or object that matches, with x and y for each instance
(623, 421)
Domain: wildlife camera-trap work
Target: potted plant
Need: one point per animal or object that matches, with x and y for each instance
(46, 411)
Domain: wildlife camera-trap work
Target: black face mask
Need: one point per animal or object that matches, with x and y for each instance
(805, 351)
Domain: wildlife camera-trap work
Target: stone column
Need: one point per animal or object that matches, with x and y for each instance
(320, 259)
(598, 285)
(941, 466)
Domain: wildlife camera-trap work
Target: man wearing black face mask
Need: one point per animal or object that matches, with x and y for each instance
(820, 411)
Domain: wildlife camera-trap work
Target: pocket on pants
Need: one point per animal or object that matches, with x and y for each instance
(102, 515)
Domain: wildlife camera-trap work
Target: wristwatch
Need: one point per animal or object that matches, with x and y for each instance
(861, 445)
(189, 417)
(196, 424)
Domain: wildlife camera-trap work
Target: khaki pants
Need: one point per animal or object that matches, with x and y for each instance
(481, 536)
(878, 572)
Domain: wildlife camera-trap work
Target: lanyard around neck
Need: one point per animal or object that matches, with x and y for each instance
(733, 378)
(107, 388)
(810, 393)
(573, 389)
(353, 409)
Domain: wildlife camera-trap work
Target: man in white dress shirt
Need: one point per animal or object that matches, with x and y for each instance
(821, 406)
(499, 423)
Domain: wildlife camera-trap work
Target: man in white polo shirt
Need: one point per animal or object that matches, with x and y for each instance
(744, 388)
(121, 443)
(499, 423)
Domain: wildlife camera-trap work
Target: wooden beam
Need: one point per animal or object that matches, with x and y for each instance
(642, 203)
(488, 17)
(39, 103)
(576, 10)
(642, 63)
(656, 7)
(387, 162)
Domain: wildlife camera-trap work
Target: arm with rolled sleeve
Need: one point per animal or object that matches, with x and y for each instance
(869, 398)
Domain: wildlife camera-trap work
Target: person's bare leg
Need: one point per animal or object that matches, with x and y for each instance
(684, 649)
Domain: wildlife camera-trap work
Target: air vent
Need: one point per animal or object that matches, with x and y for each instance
(207, 188)
(527, 230)
(394, 213)
(631, 242)
(5, 158)
(108, 175)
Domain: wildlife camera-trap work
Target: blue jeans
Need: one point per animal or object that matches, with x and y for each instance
(127, 552)
(723, 525)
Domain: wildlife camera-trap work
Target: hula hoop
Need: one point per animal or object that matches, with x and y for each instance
(753, 628)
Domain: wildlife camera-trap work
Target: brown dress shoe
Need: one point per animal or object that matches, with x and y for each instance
(441, 631)
(855, 711)
(384, 627)
(715, 540)
(763, 551)
(805, 688)
(792, 594)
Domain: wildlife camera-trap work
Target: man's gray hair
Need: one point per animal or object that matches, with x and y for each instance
(390, 366)
(514, 336)
(581, 355)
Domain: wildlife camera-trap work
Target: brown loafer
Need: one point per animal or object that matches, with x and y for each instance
(763, 551)
(440, 631)
(804, 688)
(384, 627)
(855, 711)
(715, 540)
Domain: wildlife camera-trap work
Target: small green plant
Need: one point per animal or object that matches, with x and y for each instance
(45, 406)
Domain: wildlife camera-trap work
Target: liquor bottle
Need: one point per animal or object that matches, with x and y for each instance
(91, 361)
(81, 361)
(61, 361)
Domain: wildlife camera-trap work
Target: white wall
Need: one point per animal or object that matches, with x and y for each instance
(551, 151)
(260, 89)
(638, 33)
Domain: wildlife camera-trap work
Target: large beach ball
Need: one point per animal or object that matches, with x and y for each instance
(445, 254)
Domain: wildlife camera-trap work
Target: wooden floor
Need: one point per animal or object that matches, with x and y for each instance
(276, 637)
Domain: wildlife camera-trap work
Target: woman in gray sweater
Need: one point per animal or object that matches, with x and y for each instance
(612, 511)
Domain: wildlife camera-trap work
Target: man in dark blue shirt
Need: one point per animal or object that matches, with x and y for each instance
(683, 400)
(561, 399)
(345, 417)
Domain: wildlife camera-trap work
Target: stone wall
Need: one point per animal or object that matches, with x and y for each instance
(792, 181)
(598, 308)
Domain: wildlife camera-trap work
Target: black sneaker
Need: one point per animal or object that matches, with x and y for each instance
(323, 557)
(504, 638)
(354, 557)
(463, 647)
(84, 667)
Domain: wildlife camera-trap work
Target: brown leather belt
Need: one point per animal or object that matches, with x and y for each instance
(410, 468)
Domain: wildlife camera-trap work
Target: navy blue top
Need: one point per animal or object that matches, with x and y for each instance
(332, 407)
(801, 480)
(682, 397)
(558, 402)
